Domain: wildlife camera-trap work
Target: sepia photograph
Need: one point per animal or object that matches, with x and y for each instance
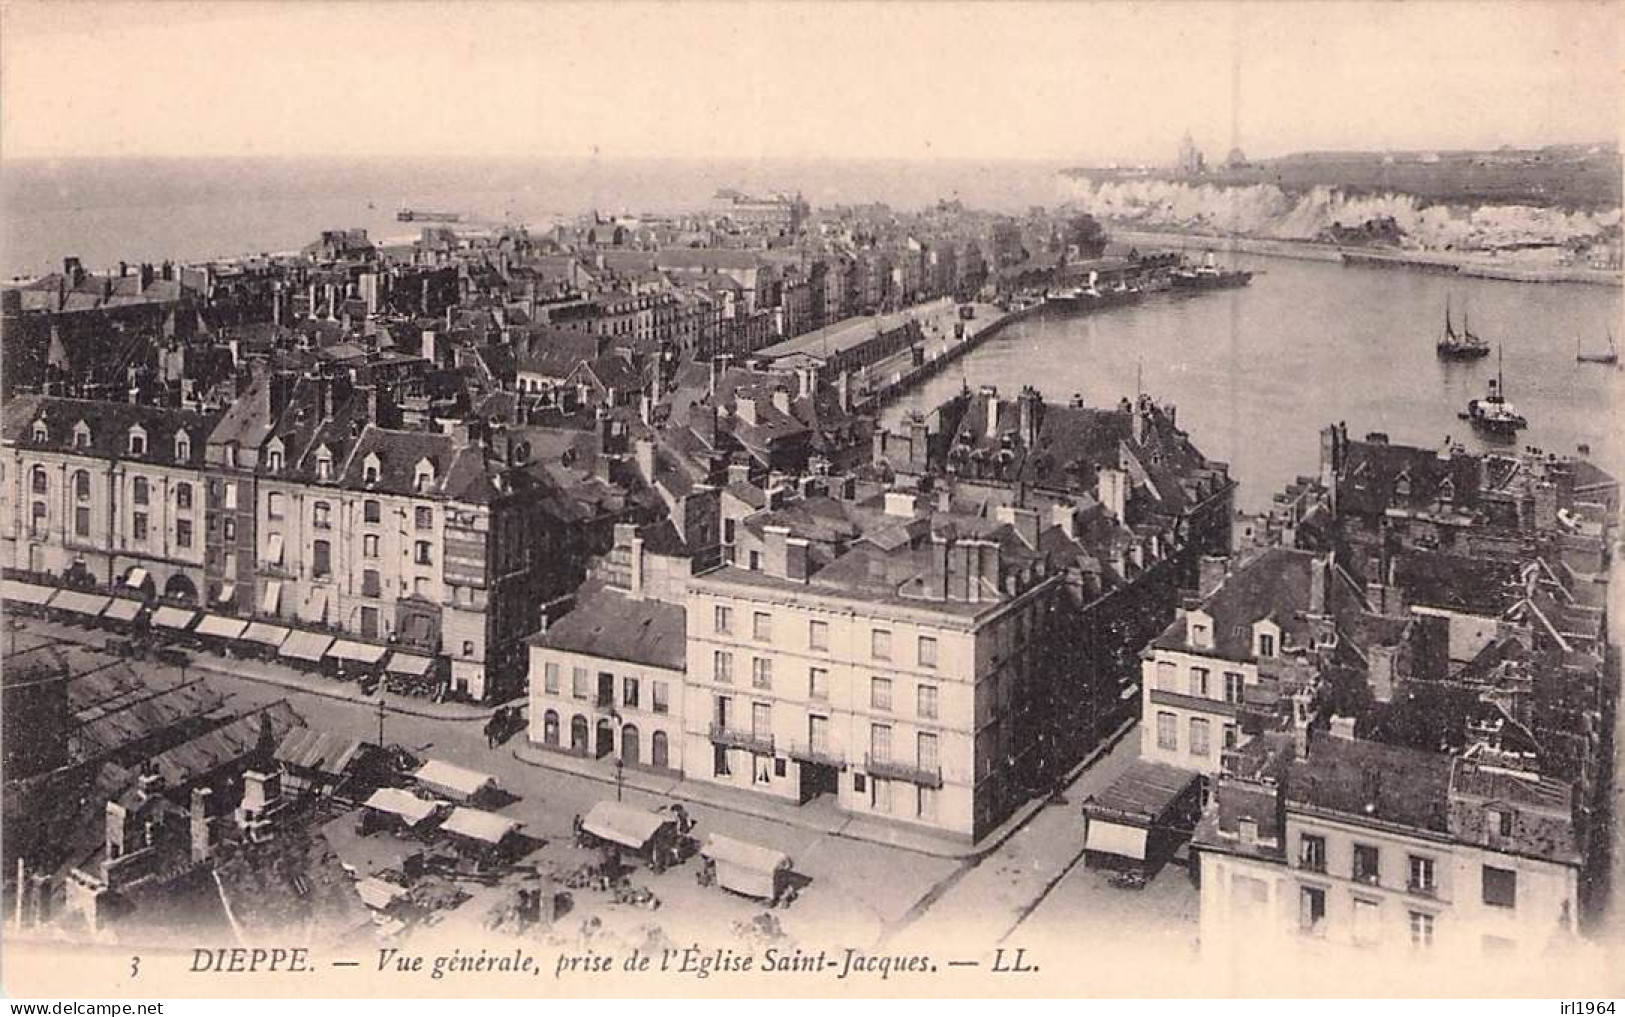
(780, 501)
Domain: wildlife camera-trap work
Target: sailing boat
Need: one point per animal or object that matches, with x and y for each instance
(1493, 414)
(1459, 346)
(1611, 357)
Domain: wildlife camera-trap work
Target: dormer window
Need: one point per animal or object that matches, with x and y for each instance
(1447, 490)
(231, 454)
(324, 464)
(273, 455)
(423, 475)
(1402, 484)
(42, 434)
(371, 468)
(81, 435)
(183, 447)
(138, 441)
(1266, 644)
(1199, 630)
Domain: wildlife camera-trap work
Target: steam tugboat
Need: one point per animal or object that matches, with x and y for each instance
(1209, 277)
(1462, 346)
(1493, 415)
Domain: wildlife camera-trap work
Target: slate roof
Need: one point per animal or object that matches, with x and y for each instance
(459, 469)
(1370, 780)
(110, 424)
(608, 623)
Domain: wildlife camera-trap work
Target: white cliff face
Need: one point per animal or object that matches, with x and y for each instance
(1264, 210)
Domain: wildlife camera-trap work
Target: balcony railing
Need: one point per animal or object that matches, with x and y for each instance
(1422, 889)
(822, 755)
(604, 700)
(722, 734)
(892, 769)
(1311, 864)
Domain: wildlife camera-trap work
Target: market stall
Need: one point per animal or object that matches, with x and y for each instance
(745, 868)
(650, 835)
(454, 782)
(393, 805)
(485, 835)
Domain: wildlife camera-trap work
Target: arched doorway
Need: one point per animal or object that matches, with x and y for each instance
(629, 745)
(578, 734)
(659, 753)
(605, 742)
(181, 588)
(550, 727)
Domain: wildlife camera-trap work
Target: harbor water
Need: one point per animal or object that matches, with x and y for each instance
(1256, 372)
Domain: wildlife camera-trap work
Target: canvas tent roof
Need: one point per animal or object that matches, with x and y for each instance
(399, 802)
(477, 824)
(623, 824)
(719, 848)
(453, 780)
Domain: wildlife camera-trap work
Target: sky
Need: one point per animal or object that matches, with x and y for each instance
(1074, 81)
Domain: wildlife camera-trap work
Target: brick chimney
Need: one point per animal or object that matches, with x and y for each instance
(775, 550)
(904, 504)
(1029, 413)
(797, 559)
(1024, 520)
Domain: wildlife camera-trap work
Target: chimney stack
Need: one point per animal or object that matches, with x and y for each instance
(202, 841)
(645, 451)
(797, 559)
(990, 403)
(1210, 573)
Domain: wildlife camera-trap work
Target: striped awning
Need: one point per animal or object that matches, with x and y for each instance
(221, 626)
(136, 578)
(119, 609)
(263, 632)
(173, 617)
(311, 646)
(80, 602)
(26, 593)
(409, 664)
(362, 653)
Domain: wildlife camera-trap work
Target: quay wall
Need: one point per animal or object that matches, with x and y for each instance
(883, 396)
(1435, 261)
